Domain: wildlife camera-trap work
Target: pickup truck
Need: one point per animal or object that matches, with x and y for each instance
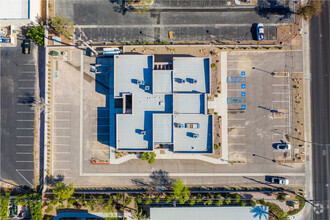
(27, 47)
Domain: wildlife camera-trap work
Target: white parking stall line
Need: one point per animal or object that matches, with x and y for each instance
(24, 152)
(276, 134)
(107, 149)
(24, 145)
(26, 80)
(25, 136)
(280, 84)
(238, 144)
(59, 111)
(280, 93)
(236, 119)
(238, 127)
(233, 90)
(63, 170)
(62, 136)
(275, 101)
(24, 120)
(65, 145)
(62, 120)
(280, 126)
(237, 135)
(62, 152)
(24, 161)
(62, 161)
(27, 88)
(26, 112)
(25, 128)
(64, 128)
(235, 69)
(61, 103)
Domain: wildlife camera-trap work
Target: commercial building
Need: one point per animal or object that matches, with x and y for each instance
(164, 105)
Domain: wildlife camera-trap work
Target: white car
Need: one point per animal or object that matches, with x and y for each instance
(279, 180)
(260, 32)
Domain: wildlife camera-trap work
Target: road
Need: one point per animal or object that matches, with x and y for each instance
(320, 47)
(17, 78)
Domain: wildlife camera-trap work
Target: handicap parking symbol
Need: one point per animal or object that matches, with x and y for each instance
(242, 93)
(243, 86)
(243, 73)
(243, 106)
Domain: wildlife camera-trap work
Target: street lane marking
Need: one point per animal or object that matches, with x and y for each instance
(26, 112)
(27, 80)
(26, 88)
(25, 136)
(24, 145)
(25, 128)
(197, 174)
(21, 161)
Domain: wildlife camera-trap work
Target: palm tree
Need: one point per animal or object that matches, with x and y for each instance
(260, 211)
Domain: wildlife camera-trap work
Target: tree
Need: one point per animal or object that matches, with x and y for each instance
(36, 209)
(150, 157)
(22, 200)
(62, 26)
(219, 202)
(243, 203)
(313, 7)
(63, 192)
(236, 198)
(128, 200)
(37, 34)
(39, 104)
(180, 190)
(281, 197)
(4, 202)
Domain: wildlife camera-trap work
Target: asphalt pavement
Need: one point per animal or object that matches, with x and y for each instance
(18, 74)
(320, 70)
(103, 21)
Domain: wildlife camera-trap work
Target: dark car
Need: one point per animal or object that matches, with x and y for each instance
(282, 146)
(260, 31)
(27, 47)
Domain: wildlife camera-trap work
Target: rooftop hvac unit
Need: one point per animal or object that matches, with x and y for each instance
(147, 88)
(195, 81)
(183, 81)
(195, 135)
(143, 132)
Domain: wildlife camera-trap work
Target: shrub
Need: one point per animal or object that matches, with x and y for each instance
(199, 198)
(192, 202)
(236, 198)
(119, 196)
(213, 65)
(49, 209)
(168, 199)
(302, 203)
(281, 197)
(37, 34)
(219, 202)
(128, 200)
(216, 146)
(252, 203)
(4, 201)
(36, 209)
(63, 192)
(157, 199)
(243, 203)
(148, 201)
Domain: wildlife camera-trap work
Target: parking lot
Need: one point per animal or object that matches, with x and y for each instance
(102, 22)
(259, 104)
(18, 82)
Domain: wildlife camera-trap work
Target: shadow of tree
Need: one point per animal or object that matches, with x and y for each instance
(158, 180)
(52, 180)
(269, 8)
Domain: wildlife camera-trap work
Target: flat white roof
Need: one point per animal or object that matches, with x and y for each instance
(209, 213)
(183, 137)
(184, 103)
(189, 69)
(162, 128)
(14, 9)
(162, 81)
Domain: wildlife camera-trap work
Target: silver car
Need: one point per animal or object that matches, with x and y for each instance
(279, 180)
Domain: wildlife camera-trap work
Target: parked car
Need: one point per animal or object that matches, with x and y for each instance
(27, 47)
(279, 180)
(282, 146)
(260, 32)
